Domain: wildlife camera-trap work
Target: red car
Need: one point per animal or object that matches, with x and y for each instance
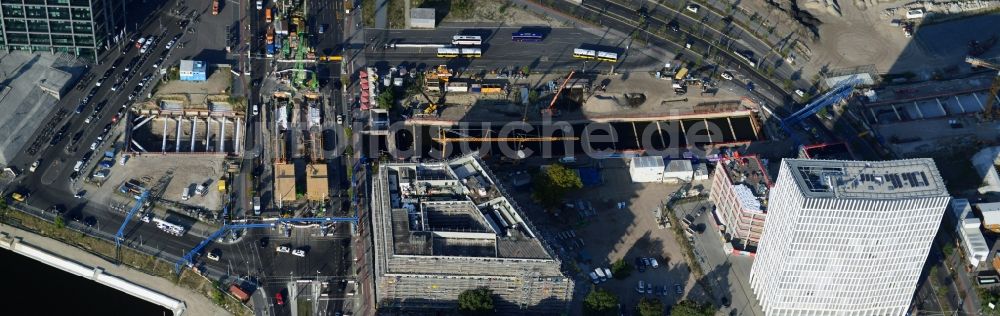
(279, 299)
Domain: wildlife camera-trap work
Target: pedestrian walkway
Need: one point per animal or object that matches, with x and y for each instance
(196, 304)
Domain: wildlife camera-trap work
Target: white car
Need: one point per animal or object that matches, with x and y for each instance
(800, 93)
(255, 108)
(213, 255)
(284, 249)
(693, 8)
(299, 252)
(93, 145)
(260, 4)
(340, 119)
(34, 165)
(726, 75)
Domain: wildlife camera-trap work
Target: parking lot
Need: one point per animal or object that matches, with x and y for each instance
(604, 233)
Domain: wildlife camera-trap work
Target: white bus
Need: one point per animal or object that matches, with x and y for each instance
(473, 40)
(584, 53)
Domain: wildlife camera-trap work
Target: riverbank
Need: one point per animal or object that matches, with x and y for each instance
(195, 303)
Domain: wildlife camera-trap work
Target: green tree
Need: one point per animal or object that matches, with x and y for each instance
(60, 223)
(692, 308)
(621, 269)
(525, 69)
(533, 96)
(476, 301)
(650, 307)
(600, 302)
(386, 99)
(552, 184)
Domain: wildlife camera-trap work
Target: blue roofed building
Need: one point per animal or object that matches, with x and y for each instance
(193, 70)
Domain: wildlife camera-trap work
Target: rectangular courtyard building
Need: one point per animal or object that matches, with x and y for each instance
(85, 28)
(446, 227)
(847, 237)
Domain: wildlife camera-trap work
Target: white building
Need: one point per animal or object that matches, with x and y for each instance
(991, 215)
(969, 231)
(657, 169)
(985, 163)
(847, 237)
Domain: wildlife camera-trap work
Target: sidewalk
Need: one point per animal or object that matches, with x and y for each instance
(197, 304)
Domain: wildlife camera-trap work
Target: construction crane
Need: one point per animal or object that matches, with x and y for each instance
(120, 236)
(431, 105)
(551, 109)
(838, 93)
(990, 111)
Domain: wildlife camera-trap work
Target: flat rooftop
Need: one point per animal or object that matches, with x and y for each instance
(894, 179)
(31, 85)
(454, 209)
(748, 171)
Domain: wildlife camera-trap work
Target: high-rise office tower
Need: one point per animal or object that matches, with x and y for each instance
(847, 237)
(85, 28)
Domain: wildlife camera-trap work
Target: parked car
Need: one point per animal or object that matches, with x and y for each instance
(639, 264)
(299, 252)
(279, 299)
(654, 263)
(679, 289)
(214, 254)
(726, 75)
(284, 249)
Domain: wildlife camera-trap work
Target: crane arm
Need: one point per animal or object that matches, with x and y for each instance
(558, 92)
(979, 62)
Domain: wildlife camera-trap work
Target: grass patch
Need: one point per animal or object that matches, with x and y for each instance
(304, 306)
(368, 12)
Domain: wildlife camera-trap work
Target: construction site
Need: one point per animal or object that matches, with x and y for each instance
(189, 117)
(300, 169)
(443, 228)
(961, 112)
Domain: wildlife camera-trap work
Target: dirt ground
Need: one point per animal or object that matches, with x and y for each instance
(196, 92)
(186, 170)
(500, 12)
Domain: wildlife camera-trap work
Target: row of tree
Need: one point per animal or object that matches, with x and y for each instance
(598, 302)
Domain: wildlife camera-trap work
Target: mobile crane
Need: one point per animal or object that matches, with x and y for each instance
(551, 110)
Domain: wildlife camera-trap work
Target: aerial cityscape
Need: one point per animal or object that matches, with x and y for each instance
(502, 157)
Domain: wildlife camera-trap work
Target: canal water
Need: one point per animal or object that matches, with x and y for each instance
(33, 287)
(651, 138)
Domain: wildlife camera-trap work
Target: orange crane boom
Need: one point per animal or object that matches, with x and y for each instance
(990, 111)
(552, 104)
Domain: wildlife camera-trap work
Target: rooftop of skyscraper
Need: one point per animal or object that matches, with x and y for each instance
(908, 178)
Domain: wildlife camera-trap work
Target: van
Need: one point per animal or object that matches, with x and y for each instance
(608, 272)
(186, 194)
(200, 190)
(593, 278)
(79, 164)
(600, 274)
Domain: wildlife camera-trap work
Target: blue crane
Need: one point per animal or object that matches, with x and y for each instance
(838, 93)
(138, 204)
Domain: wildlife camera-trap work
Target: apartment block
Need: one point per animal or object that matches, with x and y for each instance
(739, 192)
(445, 227)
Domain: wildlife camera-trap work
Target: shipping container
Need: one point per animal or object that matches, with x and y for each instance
(267, 15)
(239, 293)
(457, 87)
(476, 88)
